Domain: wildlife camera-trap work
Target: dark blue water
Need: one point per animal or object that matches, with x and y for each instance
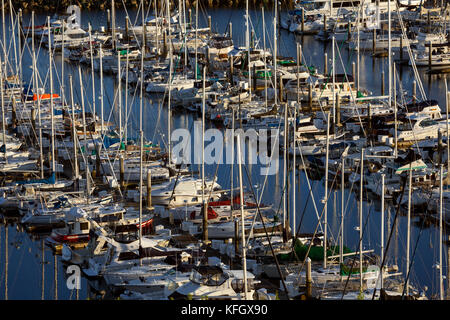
(25, 254)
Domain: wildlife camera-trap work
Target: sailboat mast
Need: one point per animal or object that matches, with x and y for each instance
(13, 36)
(119, 95)
(447, 124)
(3, 112)
(196, 39)
(125, 121)
(169, 157)
(408, 230)
(113, 23)
(62, 66)
(19, 32)
(294, 211)
(52, 117)
(5, 56)
(140, 190)
(141, 99)
(184, 40)
(36, 87)
(157, 30)
(274, 59)
(141, 132)
(334, 79)
(395, 111)
(92, 70)
(390, 55)
(265, 63)
(360, 218)
(74, 133)
(204, 203)
(232, 163)
(325, 199)
(247, 38)
(244, 260)
(83, 111)
(101, 93)
(357, 54)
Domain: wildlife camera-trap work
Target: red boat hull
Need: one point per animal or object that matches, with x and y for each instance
(69, 238)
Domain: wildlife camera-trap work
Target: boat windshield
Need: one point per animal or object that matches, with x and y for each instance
(407, 126)
(309, 6)
(428, 123)
(208, 278)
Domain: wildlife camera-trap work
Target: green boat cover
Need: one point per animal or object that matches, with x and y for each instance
(315, 253)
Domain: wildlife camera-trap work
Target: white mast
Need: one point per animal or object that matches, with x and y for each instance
(448, 136)
(232, 164)
(83, 111)
(357, 54)
(390, 56)
(294, 211)
(196, 39)
(395, 111)
(62, 66)
(4, 38)
(141, 132)
(19, 32)
(92, 71)
(36, 87)
(341, 246)
(125, 121)
(157, 30)
(74, 132)
(204, 206)
(274, 60)
(13, 36)
(3, 112)
(184, 41)
(265, 65)
(325, 199)
(244, 260)
(247, 38)
(360, 218)
(101, 93)
(170, 86)
(334, 79)
(408, 231)
(50, 56)
(113, 23)
(119, 94)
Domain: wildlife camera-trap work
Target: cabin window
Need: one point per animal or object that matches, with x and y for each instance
(427, 123)
(195, 199)
(77, 36)
(238, 285)
(405, 126)
(84, 226)
(127, 256)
